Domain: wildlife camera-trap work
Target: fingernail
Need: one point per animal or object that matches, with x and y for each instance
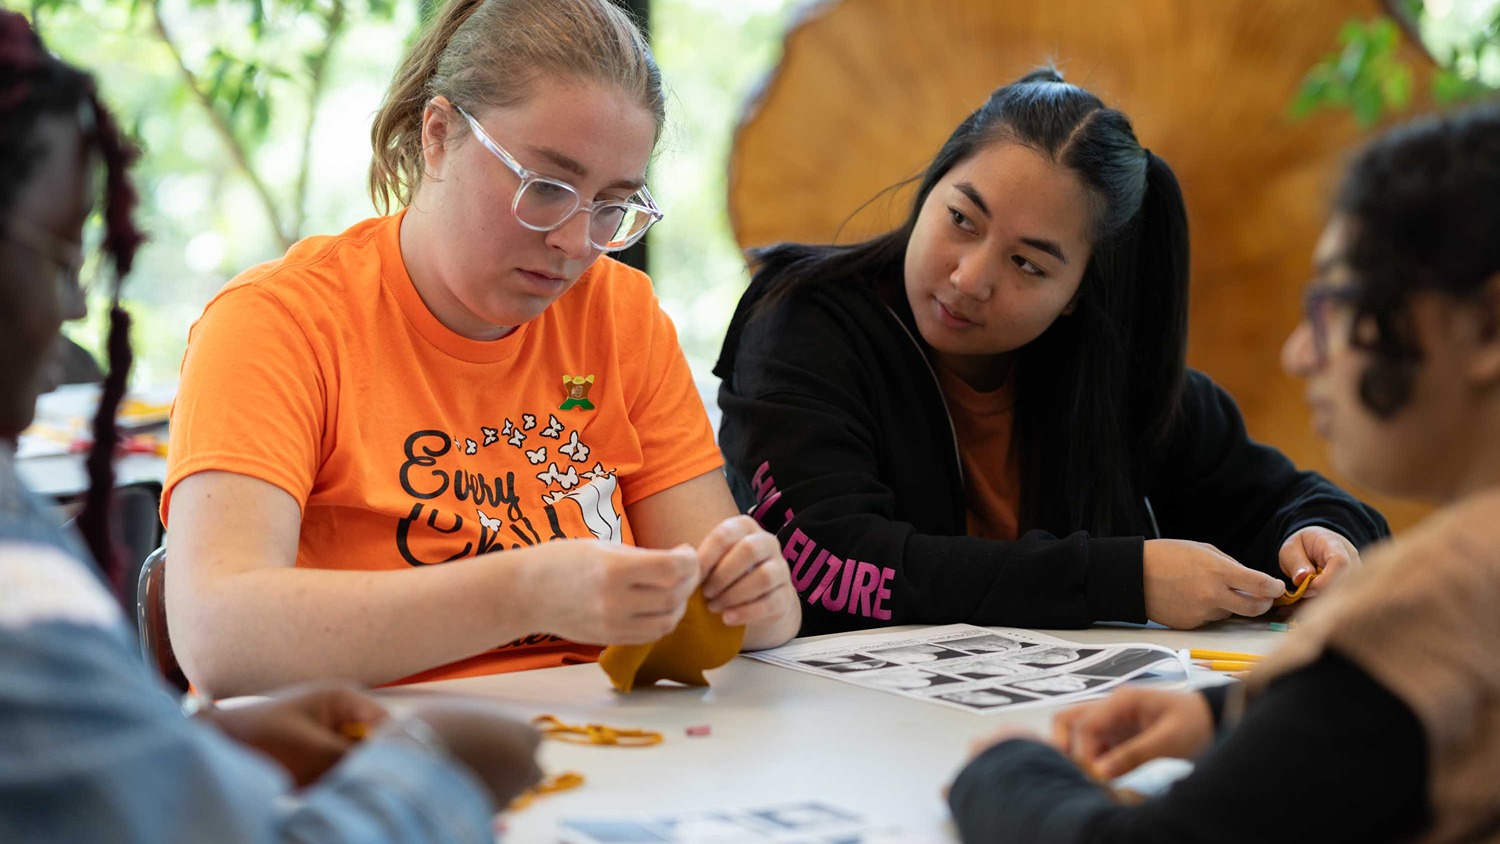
(731, 618)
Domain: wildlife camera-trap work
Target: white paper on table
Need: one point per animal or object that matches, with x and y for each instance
(977, 669)
(788, 823)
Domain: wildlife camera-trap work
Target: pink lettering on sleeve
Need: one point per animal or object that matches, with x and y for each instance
(882, 612)
(864, 586)
(834, 564)
(835, 602)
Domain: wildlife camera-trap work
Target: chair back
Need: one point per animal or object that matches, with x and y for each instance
(151, 619)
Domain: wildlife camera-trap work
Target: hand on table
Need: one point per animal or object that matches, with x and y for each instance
(1317, 551)
(301, 727)
(1189, 584)
(499, 750)
(1112, 736)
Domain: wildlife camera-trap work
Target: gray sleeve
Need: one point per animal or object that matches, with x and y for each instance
(93, 749)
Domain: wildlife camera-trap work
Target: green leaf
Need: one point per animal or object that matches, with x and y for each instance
(1310, 96)
(220, 64)
(262, 117)
(1367, 105)
(1449, 87)
(1354, 57)
(1396, 88)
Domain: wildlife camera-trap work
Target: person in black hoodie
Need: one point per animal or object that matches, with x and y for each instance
(985, 414)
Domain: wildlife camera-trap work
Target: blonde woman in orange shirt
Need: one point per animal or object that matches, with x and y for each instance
(463, 381)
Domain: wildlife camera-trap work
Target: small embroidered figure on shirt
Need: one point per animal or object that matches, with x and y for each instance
(577, 387)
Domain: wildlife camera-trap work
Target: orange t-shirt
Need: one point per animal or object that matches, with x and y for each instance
(984, 422)
(406, 444)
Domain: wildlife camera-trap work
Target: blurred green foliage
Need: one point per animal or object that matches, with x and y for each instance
(254, 116)
(1368, 75)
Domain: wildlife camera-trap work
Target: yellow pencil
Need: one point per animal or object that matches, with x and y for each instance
(1227, 665)
(1197, 653)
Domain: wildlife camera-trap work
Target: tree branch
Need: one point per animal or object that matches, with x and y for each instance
(221, 127)
(317, 68)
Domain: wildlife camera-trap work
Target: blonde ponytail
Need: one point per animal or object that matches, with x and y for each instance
(397, 133)
(490, 53)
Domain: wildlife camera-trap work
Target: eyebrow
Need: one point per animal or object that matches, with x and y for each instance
(1051, 247)
(573, 166)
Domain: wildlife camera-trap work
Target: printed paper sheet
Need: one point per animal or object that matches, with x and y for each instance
(976, 669)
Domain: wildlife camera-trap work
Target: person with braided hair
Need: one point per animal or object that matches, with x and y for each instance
(92, 746)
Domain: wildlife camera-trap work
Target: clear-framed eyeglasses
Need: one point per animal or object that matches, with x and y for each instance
(543, 204)
(65, 257)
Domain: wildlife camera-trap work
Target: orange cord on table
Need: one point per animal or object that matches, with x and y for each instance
(552, 727)
(549, 785)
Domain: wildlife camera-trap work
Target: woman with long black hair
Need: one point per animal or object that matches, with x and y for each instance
(985, 415)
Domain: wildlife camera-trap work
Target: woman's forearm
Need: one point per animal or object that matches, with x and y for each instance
(249, 631)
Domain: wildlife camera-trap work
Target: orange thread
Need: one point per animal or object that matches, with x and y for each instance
(552, 727)
(565, 781)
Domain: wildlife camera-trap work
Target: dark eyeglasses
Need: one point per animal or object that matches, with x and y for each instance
(1317, 302)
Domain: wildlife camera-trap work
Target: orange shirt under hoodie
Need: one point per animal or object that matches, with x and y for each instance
(406, 444)
(984, 423)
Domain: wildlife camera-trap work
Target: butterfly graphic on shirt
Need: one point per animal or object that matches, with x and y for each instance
(470, 447)
(505, 431)
(516, 438)
(554, 427)
(538, 456)
(594, 502)
(566, 480)
(575, 449)
(490, 435)
(528, 421)
(492, 535)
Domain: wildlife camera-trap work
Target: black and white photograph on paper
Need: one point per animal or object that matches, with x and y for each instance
(976, 669)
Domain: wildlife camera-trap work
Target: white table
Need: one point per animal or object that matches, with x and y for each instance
(778, 736)
(64, 475)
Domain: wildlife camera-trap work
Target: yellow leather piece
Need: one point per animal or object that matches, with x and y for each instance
(701, 641)
(1293, 597)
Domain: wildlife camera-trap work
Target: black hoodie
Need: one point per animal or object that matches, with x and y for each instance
(836, 437)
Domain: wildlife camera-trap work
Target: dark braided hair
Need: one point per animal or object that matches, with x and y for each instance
(35, 84)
